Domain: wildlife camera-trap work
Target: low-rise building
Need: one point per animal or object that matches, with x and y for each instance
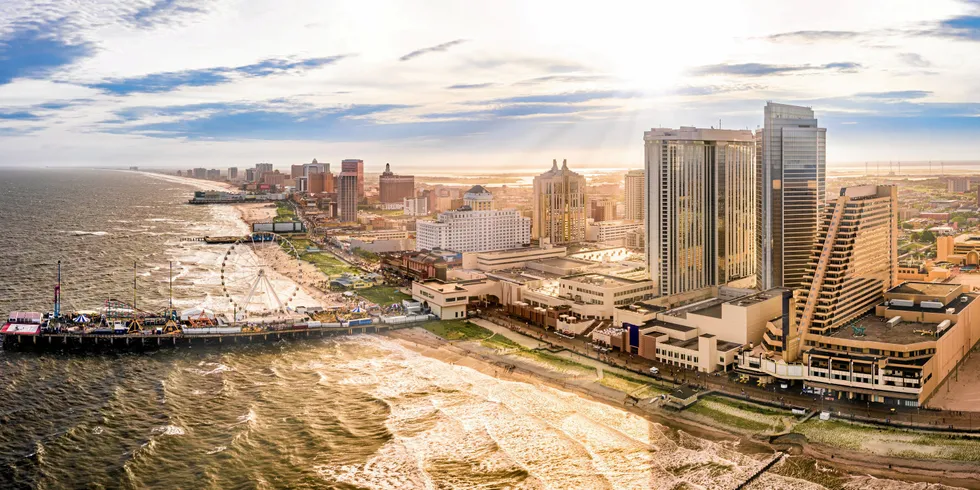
(611, 232)
(510, 259)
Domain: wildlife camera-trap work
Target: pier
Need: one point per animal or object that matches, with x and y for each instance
(141, 342)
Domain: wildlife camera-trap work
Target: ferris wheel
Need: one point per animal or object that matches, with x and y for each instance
(247, 278)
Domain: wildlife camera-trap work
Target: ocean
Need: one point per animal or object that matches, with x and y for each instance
(359, 412)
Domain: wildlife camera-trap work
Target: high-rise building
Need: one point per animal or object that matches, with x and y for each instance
(395, 188)
(347, 196)
(357, 167)
(250, 175)
(635, 195)
(792, 174)
(295, 171)
(261, 168)
(233, 173)
(416, 206)
(274, 178)
(853, 261)
(958, 184)
(214, 174)
(601, 208)
(701, 208)
(200, 173)
(478, 198)
(560, 205)
(483, 229)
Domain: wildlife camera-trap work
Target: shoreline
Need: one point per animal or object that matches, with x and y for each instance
(854, 463)
(947, 472)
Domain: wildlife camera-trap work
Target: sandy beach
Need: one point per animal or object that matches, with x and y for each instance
(493, 363)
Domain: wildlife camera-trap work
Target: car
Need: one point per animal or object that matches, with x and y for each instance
(654, 370)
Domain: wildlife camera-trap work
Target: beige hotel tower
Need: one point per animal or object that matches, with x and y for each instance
(560, 205)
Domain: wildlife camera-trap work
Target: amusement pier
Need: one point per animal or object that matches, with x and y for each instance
(262, 312)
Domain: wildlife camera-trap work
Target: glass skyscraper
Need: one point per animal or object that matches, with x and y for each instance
(701, 208)
(792, 174)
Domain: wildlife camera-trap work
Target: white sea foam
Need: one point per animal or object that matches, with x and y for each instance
(170, 430)
(216, 450)
(87, 233)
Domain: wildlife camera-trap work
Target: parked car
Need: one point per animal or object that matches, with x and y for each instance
(654, 370)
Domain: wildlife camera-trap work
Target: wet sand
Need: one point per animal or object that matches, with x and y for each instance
(470, 354)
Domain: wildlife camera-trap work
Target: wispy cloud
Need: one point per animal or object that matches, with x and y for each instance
(165, 11)
(564, 79)
(244, 121)
(814, 36)
(896, 95)
(18, 116)
(516, 111)
(964, 27)
(466, 86)
(914, 59)
(163, 82)
(764, 69)
(432, 49)
(36, 51)
(565, 98)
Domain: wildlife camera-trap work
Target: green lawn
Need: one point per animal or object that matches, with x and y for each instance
(457, 330)
(465, 330)
(325, 261)
(383, 295)
(284, 212)
(628, 384)
(892, 442)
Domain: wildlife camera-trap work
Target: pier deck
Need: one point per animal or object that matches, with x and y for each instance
(106, 342)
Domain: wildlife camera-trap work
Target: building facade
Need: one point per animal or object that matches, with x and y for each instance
(416, 206)
(602, 208)
(474, 231)
(395, 188)
(612, 231)
(791, 172)
(559, 205)
(347, 196)
(853, 261)
(355, 167)
(701, 209)
(478, 198)
(635, 195)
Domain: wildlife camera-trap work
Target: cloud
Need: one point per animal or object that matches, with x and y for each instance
(964, 27)
(18, 116)
(36, 51)
(763, 69)
(897, 94)
(516, 111)
(245, 121)
(814, 36)
(164, 82)
(164, 12)
(465, 86)
(432, 49)
(564, 79)
(914, 59)
(566, 98)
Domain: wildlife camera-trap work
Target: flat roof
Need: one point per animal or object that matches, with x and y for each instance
(563, 262)
(690, 344)
(670, 326)
(957, 304)
(876, 329)
(600, 279)
(924, 288)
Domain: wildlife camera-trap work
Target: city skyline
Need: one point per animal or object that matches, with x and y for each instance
(111, 84)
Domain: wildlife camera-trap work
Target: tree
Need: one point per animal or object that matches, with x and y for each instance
(928, 237)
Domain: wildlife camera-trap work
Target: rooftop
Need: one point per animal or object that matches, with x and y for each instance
(876, 329)
(600, 280)
(925, 288)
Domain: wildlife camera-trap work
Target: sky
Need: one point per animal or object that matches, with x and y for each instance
(472, 87)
